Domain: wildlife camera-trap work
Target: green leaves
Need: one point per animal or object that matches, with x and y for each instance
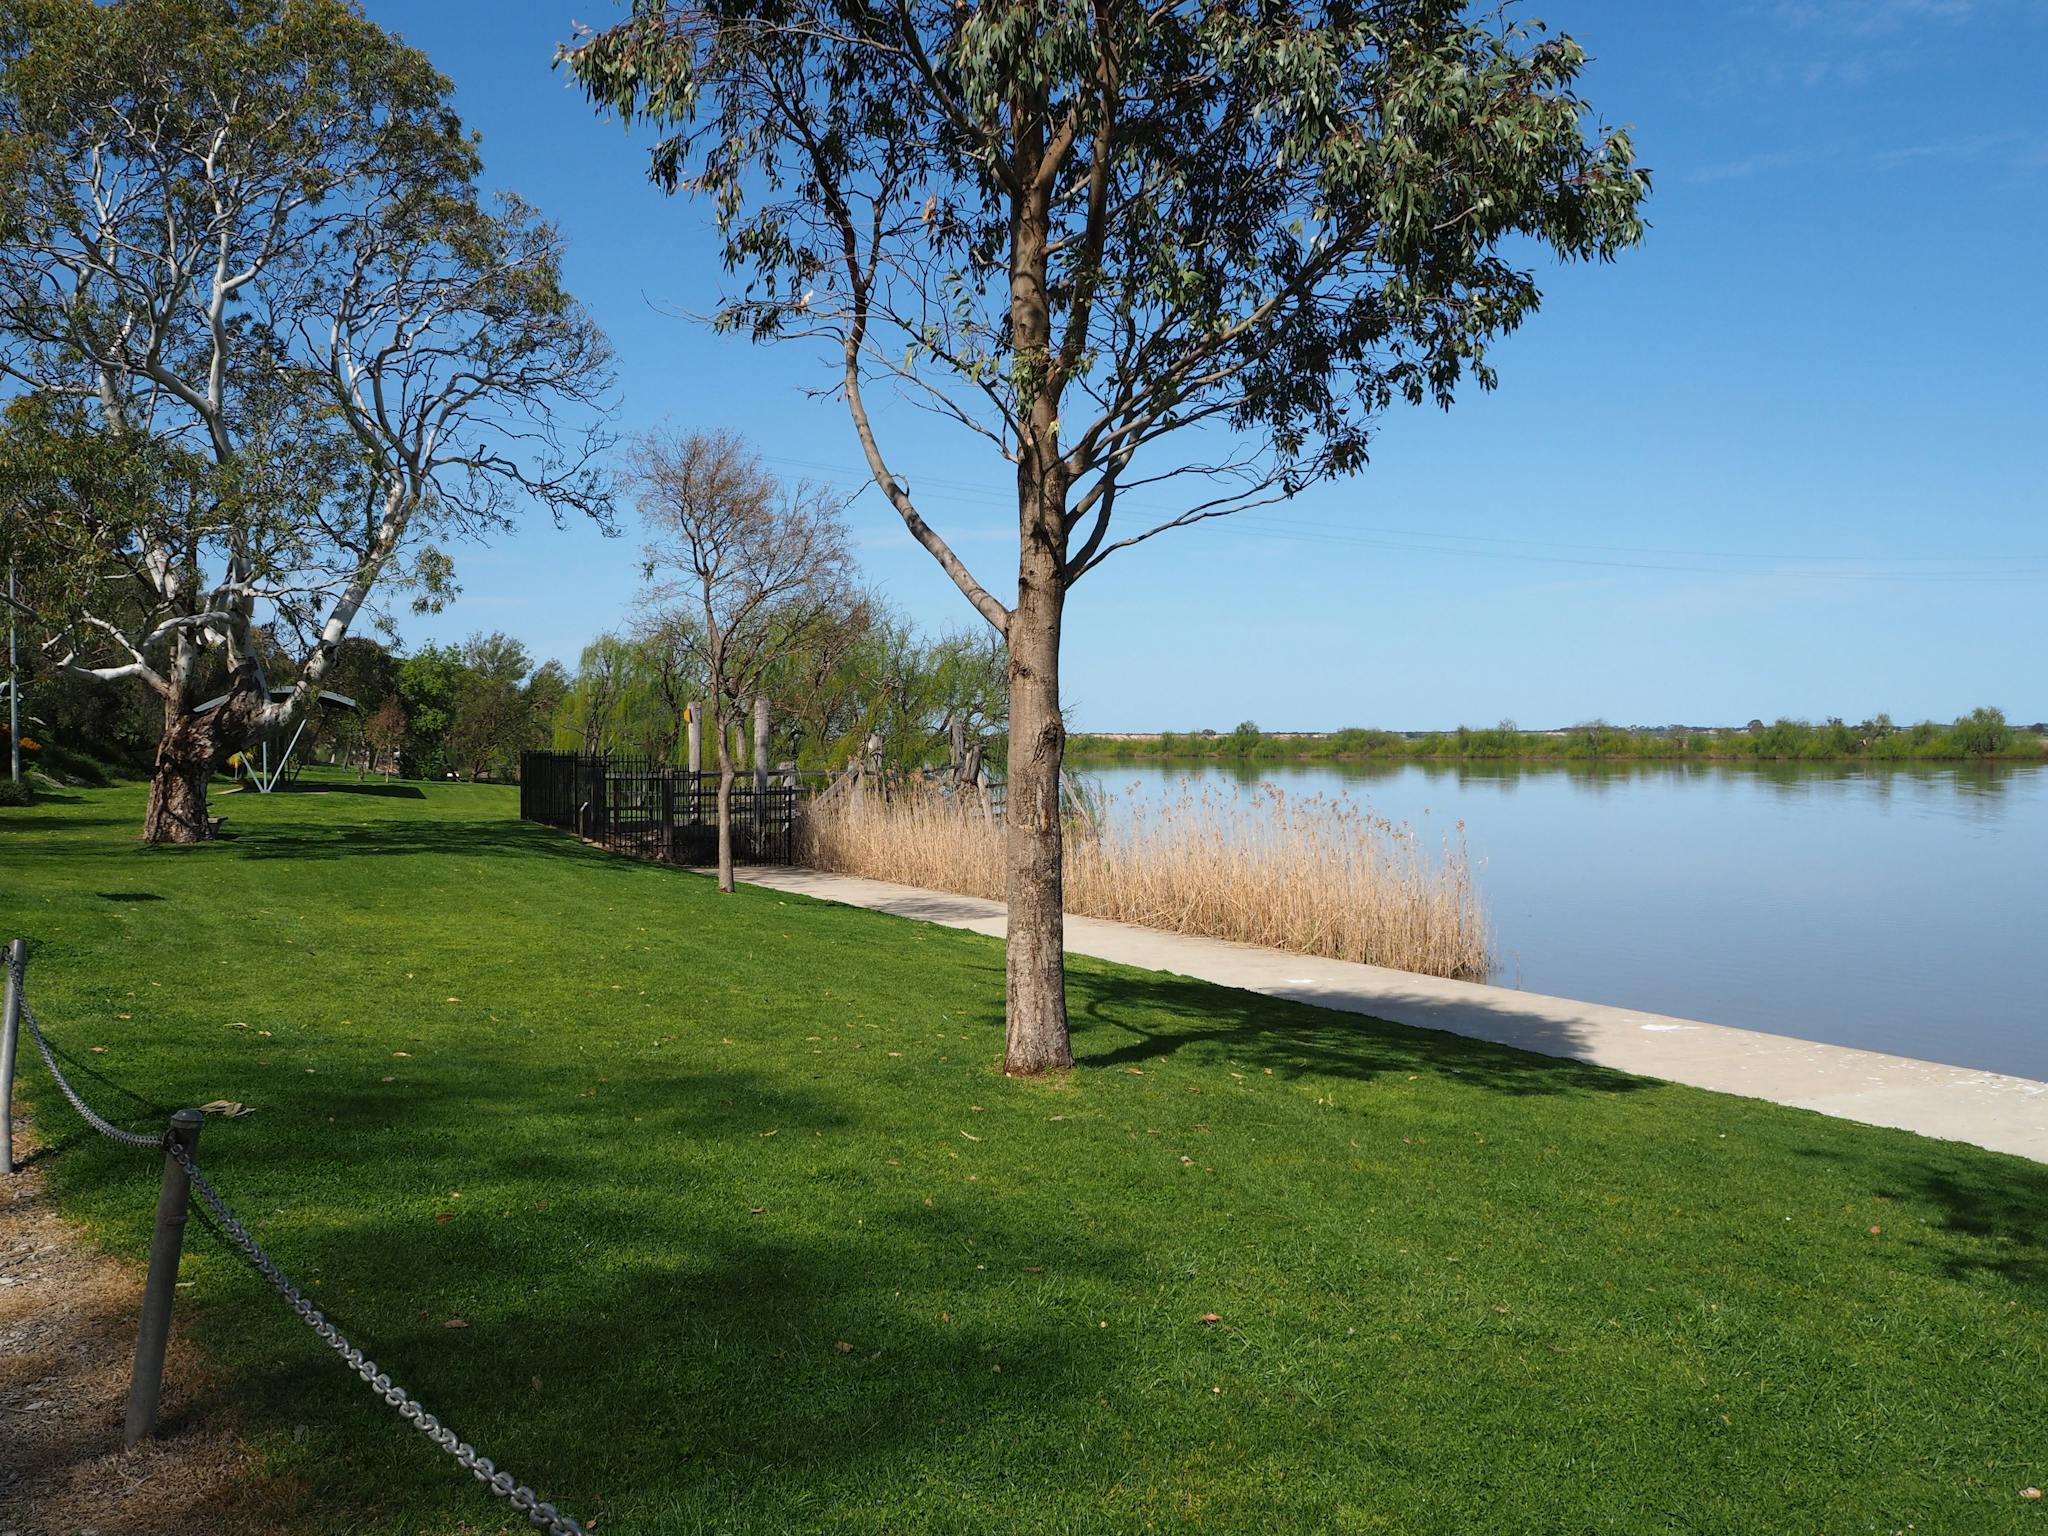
(1289, 221)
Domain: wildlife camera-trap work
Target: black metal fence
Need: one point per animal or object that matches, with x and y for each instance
(651, 810)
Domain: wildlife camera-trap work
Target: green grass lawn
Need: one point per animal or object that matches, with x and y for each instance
(751, 1235)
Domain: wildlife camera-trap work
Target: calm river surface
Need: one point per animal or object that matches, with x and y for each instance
(1898, 909)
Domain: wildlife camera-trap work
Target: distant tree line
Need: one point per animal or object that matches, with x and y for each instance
(1981, 734)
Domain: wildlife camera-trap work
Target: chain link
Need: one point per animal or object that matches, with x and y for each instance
(542, 1515)
(111, 1132)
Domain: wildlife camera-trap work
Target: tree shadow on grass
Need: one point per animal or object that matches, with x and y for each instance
(481, 838)
(380, 791)
(2003, 1211)
(760, 1370)
(14, 821)
(1160, 1015)
(742, 1334)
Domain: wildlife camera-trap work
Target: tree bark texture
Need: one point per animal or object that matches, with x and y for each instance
(1036, 969)
(725, 778)
(193, 746)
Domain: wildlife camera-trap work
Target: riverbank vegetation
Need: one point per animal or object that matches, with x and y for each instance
(1307, 874)
(1983, 734)
(750, 1233)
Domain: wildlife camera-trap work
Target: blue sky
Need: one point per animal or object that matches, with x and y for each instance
(1787, 458)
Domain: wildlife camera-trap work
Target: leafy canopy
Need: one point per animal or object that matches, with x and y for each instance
(1081, 227)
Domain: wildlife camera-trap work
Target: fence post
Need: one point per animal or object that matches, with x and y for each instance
(10, 1032)
(172, 1204)
(668, 811)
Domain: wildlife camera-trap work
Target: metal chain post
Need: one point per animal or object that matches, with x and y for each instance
(173, 1203)
(10, 1034)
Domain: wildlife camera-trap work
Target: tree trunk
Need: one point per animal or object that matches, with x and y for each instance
(192, 747)
(725, 778)
(178, 781)
(1036, 970)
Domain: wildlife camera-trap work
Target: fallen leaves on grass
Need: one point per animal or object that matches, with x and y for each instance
(1212, 1317)
(843, 1347)
(455, 1322)
(226, 1108)
(970, 1135)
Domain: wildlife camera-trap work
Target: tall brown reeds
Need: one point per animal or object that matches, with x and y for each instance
(1314, 875)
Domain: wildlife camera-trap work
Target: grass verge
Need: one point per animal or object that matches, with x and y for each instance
(749, 1234)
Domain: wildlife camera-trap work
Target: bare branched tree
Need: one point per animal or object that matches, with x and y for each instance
(740, 567)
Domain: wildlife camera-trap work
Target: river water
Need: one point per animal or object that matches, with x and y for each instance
(1897, 909)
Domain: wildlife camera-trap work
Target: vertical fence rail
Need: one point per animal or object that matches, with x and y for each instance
(655, 810)
(10, 1037)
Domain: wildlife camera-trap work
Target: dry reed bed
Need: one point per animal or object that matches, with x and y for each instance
(1312, 875)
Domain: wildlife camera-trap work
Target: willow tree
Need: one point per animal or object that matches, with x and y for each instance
(269, 344)
(1178, 255)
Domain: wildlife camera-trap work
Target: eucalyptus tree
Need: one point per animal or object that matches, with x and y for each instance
(747, 571)
(1175, 257)
(273, 346)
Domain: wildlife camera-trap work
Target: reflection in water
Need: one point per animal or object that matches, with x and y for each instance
(1890, 907)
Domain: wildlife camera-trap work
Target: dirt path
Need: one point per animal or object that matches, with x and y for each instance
(67, 1335)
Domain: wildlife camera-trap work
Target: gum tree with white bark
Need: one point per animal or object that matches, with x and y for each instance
(1173, 257)
(271, 348)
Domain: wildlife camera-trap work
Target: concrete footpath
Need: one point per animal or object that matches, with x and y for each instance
(2005, 1114)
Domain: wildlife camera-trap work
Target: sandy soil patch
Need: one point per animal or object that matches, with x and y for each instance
(67, 1338)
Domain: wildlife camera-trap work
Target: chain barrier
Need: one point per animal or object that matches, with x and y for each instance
(545, 1516)
(542, 1515)
(85, 1110)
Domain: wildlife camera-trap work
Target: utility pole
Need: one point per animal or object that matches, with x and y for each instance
(13, 683)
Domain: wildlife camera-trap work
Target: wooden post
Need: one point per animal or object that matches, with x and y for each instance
(10, 1033)
(145, 1387)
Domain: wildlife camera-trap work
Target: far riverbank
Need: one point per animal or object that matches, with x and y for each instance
(1984, 735)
